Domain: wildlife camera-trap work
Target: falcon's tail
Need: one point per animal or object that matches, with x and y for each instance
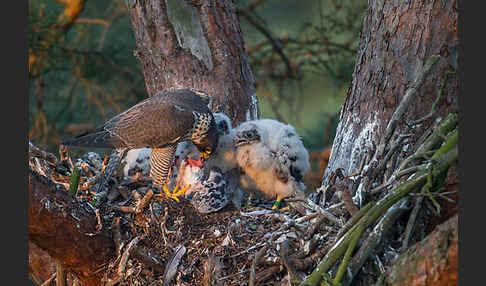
(97, 139)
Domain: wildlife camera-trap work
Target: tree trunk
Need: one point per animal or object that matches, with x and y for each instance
(41, 264)
(433, 261)
(396, 40)
(195, 44)
(407, 57)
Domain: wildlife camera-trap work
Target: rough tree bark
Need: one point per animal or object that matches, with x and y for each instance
(433, 261)
(180, 44)
(396, 40)
(66, 230)
(195, 44)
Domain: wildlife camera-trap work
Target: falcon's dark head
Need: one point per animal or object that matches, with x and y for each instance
(208, 142)
(246, 136)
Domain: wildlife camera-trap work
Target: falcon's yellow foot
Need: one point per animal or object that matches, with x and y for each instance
(176, 193)
(276, 204)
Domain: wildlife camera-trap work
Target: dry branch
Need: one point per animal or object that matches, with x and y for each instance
(371, 242)
(409, 95)
(66, 230)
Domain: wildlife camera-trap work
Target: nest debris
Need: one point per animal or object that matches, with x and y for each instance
(230, 247)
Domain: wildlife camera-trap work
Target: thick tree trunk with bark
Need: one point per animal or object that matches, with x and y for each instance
(396, 40)
(407, 57)
(195, 44)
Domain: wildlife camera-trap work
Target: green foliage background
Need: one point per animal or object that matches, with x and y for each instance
(89, 73)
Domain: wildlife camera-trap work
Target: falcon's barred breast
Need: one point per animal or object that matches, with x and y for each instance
(159, 122)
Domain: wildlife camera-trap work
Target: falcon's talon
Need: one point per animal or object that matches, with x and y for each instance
(181, 191)
(176, 193)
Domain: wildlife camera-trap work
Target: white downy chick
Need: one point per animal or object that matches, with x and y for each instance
(209, 191)
(272, 157)
(137, 160)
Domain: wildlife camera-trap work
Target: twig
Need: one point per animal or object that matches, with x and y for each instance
(49, 281)
(369, 245)
(411, 221)
(335, 206)
(347, 255)
(306, 218)
(274, 42)
(311, 205)
(117, 238)
(126, 255)
(253, 4)
(163, 228)
(267, 273)
(392, 150)
(382, 186)
(451, 141)
(410, 170)
(248, 249)
(448, 156)
(233, 275)
(354, 219)
(64, 156)
(437, 136)
(148, 258)
(284, 254)
(255, 263)
(125, 209)
(434, 105)
(46, 156)
(308, 247)
(348, 201)
(407, 98)
(144, 201)
(60, 274)
(99, 226)
(314, 226)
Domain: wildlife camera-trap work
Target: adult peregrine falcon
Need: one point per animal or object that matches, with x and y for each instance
(159, 122)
